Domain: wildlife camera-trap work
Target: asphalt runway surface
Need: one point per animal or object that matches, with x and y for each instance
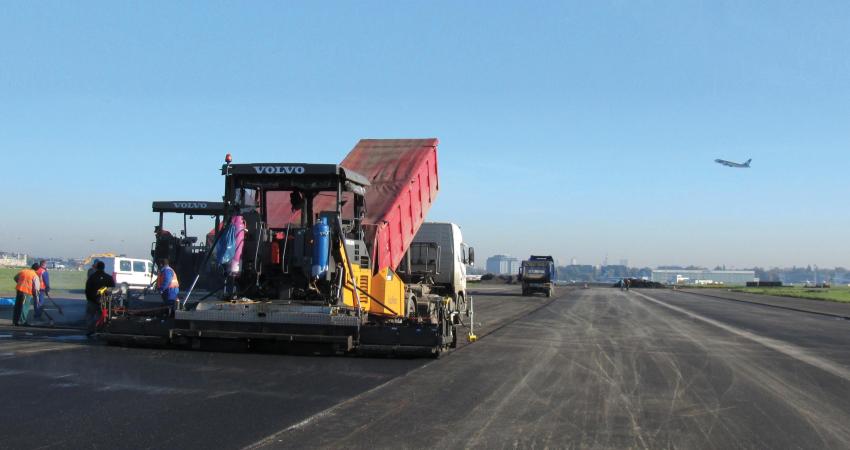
(591, 368)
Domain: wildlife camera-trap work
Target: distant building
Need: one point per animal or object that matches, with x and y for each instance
(703, 277)
(577, 273)
(613, 273)
(13, 259)
(503, 265)
(573, 262)
(624, 262)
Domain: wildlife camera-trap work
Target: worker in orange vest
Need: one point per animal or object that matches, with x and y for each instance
(27, 285)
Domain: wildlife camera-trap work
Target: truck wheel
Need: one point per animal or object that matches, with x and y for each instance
(462, 306)
(436, 353)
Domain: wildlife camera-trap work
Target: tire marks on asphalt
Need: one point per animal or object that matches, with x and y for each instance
(785, 348)
(825, 419)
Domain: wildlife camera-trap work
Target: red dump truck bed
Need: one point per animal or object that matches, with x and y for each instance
(404, 184)
(403, 173)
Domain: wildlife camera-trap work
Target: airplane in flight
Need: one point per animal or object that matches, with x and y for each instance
(745, 165)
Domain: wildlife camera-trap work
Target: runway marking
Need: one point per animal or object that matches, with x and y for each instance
(785, 348)
(27, 347)
(769, 305)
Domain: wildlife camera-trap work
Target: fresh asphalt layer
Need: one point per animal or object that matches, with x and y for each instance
(601, 368)
(58, 390)
(592, 368)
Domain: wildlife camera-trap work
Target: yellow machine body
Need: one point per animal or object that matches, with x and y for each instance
(388, 288)
(382, 294)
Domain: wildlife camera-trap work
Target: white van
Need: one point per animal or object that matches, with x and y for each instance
(129, 273)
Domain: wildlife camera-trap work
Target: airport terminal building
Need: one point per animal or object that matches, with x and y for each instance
(703, 277)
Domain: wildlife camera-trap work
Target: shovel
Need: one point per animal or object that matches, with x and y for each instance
(54, 303)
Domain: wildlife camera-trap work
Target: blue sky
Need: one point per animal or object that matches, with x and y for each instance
(571, 128)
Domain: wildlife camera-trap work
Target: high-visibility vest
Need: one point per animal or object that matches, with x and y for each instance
(174, 283)
(25, 278)
(40, 273)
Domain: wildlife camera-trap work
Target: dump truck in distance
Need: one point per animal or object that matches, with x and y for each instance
(538, 275)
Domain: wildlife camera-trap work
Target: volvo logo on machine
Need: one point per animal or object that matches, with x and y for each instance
(279, 170)
(189, 205)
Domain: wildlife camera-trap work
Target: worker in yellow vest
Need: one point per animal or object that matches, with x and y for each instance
(27, 286)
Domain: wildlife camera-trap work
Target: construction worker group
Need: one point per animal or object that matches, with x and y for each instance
(32, 286)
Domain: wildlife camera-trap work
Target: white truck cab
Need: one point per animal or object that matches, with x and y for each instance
(455, 255)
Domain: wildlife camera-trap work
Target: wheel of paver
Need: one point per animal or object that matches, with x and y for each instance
(411, 305)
